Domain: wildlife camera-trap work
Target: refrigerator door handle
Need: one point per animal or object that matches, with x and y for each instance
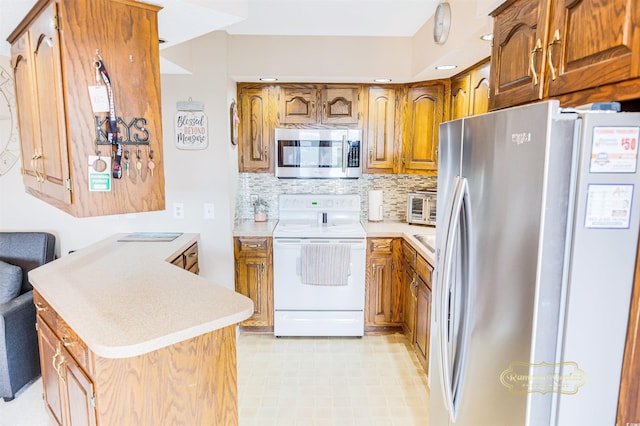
(452, 365)
(443, 286)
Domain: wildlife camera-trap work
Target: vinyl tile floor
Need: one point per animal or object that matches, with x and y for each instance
(296, 381)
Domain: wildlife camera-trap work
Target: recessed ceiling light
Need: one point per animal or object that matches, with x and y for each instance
(446, 67)
(269, 79)
(487, 37)
(382, 80)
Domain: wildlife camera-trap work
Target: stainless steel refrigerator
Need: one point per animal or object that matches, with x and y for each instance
(537, 233)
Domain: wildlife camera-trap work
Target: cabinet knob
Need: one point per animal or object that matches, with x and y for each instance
(40, 307)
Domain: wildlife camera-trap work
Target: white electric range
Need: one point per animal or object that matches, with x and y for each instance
(319, 252)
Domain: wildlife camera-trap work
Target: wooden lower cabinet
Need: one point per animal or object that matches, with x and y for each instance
(383, 302)
(254, 277)
(416, 305)
(188, 383)
(68, 392)
(188, 259)
(423, 311)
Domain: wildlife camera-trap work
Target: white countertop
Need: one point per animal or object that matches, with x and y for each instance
(389, 229)
(125, 299)
(397, 229)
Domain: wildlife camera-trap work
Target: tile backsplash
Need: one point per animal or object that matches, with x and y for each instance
(268, 187)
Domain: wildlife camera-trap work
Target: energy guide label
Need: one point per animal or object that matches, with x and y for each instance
(614, 150)
(608, 206)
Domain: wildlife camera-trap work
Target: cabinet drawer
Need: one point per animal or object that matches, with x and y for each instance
(45, 311)
(191, 256)
(409, 254)
(380, 245)
(248, 245)
(72, 343)
(178, 261)
(424, 270)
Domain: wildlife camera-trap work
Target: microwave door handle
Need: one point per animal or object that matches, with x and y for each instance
(426, 208)
(344, 153)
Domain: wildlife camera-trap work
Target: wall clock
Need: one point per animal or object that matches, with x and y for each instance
(442, 23)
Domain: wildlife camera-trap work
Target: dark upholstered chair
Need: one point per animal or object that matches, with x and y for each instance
(19, 355)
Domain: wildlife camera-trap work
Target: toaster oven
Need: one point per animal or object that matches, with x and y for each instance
(421, 207)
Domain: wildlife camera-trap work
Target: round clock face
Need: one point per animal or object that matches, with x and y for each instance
(442, 23)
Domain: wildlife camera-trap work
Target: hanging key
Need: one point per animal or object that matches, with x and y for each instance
(150, 164)
(126, 161)
(139, 162)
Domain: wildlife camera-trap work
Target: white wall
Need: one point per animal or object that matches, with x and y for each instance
(192, 177)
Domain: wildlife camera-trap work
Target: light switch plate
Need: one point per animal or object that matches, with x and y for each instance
(178, 210)
(208, 211)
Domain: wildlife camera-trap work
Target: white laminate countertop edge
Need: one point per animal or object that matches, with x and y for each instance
(125, 299)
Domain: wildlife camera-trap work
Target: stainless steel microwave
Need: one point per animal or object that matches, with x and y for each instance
(318, 153)
(421, 207)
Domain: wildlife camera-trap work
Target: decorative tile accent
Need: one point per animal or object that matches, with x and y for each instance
(268, 187)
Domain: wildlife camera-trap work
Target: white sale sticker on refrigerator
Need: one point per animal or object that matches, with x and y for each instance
(608, 206)
(614, 150)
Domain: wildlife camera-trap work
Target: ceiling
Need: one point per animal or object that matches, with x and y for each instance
(182, 20)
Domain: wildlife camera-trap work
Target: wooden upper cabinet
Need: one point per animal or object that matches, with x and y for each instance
(318, 104)
(480, 89)
(298, 105)
(470, 91)
(255, 138)
(381, 132)
(518, 55)
(37, 72)
(424, 111)
(591, 43)
(548, 49)
(52, 52)
(460, 96)
(28, 124)
(340, 105)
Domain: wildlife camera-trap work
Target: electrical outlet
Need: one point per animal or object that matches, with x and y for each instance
(178, 210)
(208, 211)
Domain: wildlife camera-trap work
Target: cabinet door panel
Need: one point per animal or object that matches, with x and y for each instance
(49, 100)
(49, 356)
(28, 125)
(513, 63)
(423, 320)
(479, 87)
(381, 130)
(340, 105)
(79, 393)
(408, 301)
(298, 105)
(256, 133)
(381, 276)
(460, 97)
(598, 43)
(425, 112)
